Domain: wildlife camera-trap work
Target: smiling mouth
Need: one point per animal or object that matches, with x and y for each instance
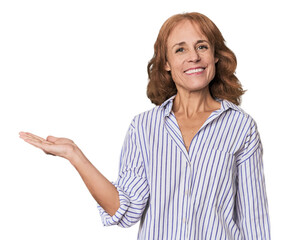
(195, 70)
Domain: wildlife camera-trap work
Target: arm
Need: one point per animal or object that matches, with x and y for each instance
(131, 184)
(252, 203)
(103, 191)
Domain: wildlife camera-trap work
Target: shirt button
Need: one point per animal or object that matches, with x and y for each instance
(187, 193)
(184, 220)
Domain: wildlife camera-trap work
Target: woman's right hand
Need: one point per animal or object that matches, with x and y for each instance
(62, 147)
(103, 191)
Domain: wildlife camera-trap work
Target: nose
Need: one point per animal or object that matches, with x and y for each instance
(193, 56)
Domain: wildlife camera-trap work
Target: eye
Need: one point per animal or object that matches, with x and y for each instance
(179, 50)
(202, 47)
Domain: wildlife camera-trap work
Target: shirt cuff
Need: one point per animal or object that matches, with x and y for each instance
(108, 220)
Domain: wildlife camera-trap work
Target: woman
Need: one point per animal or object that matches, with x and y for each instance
(191, 168)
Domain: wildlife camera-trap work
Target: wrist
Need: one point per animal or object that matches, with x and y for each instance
(76, 156)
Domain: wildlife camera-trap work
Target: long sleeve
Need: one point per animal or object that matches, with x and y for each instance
(131, 184)
(252, 204)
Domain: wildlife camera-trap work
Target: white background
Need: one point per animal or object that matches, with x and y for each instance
(77, 69)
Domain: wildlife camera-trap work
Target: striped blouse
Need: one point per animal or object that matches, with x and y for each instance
(216, 190)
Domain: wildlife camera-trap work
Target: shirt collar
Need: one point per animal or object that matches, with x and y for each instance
(225, 105)
(167, 105)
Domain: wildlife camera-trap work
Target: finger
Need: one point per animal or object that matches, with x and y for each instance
(52, 139)
(59, 140)
(22, 134)
(31, 138)
(34, 136)
(45, 147)
(35, 142)
(26, 135)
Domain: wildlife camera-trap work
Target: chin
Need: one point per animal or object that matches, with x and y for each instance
(198, 87)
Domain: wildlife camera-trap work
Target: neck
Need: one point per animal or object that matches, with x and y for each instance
(192, 103)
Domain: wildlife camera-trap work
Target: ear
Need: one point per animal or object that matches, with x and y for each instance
(167, 66)
(216, 60)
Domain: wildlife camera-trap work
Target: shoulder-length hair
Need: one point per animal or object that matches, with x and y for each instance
(224, 85)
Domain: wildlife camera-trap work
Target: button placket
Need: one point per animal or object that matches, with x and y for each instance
(187, 196)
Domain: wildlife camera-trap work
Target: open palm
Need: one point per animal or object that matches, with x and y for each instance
(62, 147)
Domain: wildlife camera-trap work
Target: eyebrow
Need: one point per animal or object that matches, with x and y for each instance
(183, 43)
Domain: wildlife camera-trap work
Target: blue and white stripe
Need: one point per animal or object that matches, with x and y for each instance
(214, 191)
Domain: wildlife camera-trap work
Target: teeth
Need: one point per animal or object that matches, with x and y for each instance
(195, 70)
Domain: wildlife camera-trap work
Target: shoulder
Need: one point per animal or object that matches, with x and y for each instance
(247, 129)
(147, 118)
(156, 114)
(238, 114)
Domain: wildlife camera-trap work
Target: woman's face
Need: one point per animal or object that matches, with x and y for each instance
(190, 58)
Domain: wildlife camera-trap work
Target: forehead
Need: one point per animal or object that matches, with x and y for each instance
(186, 31)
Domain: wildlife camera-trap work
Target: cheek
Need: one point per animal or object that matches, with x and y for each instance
(211, 62)
(175, 69)
(211, 67)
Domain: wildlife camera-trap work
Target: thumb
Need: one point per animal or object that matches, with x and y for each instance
(51, 139)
